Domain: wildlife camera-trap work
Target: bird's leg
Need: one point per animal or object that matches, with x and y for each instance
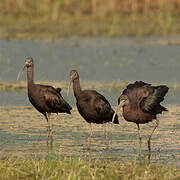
(47, 136)
(149, 139)
(51, 140)
(48, 128)
(139, 138)
(91, 133)
(49, 114)
(48, 133)
(106, 136)
(51, 131)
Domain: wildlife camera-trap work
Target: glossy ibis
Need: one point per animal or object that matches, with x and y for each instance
(92, 106)
(141, 103)
(46, 99)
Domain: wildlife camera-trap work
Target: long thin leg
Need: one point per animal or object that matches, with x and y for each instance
(106, 136)
(149, 139)
(51, 139)
(47, 136)
(91, 133)
(139, 138)
(51, 132)
(48, 128)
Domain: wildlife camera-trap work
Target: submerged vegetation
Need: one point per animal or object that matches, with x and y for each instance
(12, 168)
(64, 18)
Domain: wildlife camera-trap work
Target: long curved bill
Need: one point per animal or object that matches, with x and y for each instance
(118, 107)
(69, 87)
(116, 110)
(20, 72)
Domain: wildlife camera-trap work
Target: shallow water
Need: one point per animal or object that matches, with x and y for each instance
(150, 59)
(23, 133)
(22, 129)
(153, 60)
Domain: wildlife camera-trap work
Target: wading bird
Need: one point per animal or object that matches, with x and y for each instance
(141, 103)
(92, 106)
(46, 99)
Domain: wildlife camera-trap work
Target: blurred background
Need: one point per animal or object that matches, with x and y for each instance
(110, 43)
(64, 18)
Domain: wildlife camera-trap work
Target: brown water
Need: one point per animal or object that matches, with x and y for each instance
(98, 61)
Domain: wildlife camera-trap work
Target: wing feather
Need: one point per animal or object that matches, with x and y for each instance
(146, 97)
(52, 99)
(156, 96)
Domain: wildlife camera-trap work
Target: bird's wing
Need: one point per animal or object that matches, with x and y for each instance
(152, 102)
(146, 97)
(136, 93)
(52, 99)
(101, 104)
(134, 87)
(95, 101)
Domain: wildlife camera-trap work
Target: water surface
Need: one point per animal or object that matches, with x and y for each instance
(100, 59)
(23, 133)
(104, 60)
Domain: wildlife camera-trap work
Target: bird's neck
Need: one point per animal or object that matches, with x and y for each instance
(30, 76)
(76, 88)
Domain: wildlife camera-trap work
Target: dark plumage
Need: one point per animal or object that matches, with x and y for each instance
(46, 99)
(141, 103)
(92, 106)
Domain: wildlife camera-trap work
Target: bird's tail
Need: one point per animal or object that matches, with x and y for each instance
(67, 107)
(160, 92)
(153, 103)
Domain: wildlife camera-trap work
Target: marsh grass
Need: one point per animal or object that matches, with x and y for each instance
(63, 84)
(44, 19)
(110, 86)
(52, 8)
(78, 168)
(11, 86)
